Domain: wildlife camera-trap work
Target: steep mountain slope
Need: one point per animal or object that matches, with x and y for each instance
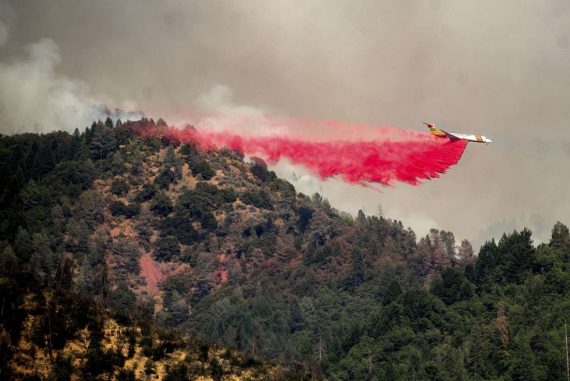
(63, 337)
(171, 244)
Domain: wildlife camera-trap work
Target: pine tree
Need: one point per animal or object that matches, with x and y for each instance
(560, 236)
(8, 261)
(23, 245)
(103, 142)
(465, 253)
(109, 123)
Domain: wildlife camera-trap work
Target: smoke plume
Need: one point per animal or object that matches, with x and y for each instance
(35, 98)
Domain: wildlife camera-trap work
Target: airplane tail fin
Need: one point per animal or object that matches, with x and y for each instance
(431, 127)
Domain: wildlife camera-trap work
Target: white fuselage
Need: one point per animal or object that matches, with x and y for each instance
(471, 138)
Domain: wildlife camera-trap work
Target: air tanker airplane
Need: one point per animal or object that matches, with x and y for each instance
(455, 136)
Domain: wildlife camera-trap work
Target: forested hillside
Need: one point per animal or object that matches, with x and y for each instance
(123, 257)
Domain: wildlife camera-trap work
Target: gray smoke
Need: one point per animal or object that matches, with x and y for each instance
(34, 97)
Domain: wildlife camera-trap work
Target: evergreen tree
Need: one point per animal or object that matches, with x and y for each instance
(102, 143)
(560, 236)
(109, 123)
(8, 262)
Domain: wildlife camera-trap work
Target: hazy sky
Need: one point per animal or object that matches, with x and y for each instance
(500, 68)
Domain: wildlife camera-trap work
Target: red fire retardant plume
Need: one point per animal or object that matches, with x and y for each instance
(411, 159)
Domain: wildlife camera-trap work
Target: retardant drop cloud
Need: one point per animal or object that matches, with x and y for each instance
(394, 155)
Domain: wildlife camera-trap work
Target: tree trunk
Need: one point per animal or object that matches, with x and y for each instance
(48, 302)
